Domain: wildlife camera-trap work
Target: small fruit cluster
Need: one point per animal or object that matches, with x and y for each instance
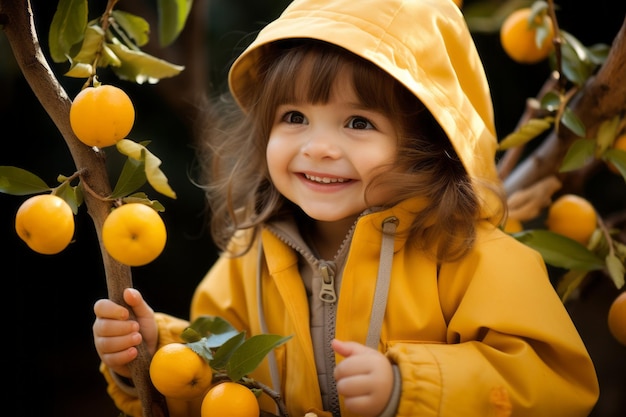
(179, 373)
(133, 234)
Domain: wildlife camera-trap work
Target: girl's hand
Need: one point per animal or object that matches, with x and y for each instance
(115, 336)
(364, 378)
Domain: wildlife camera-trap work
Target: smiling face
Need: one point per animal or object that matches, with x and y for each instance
(322, 155)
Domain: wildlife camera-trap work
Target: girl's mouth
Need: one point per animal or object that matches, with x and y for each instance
(325, 180)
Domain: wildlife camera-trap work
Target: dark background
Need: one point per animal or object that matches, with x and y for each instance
(49, 363)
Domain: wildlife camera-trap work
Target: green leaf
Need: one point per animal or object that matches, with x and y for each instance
(80, 197)
(139, 67)
(620, 248)
(172, 18)
(218, 339)
(579, 153)
(576, 46)
(225, 351)
(136, 27)
(560, 251)
(550, 101)
(578, 62)
(18, 181)
(616, 270)
(540, 21)
(572, 67)
(617, 157)
(573, 123)
(569, 282)
(68, 193)
(537, 7)
(132, 177)
(250, 354)
(154, 175)
(207, 325)
(67, 28)
(201, 349)
(598, 53)
(607, 131)
(190, 335)
(143, 199)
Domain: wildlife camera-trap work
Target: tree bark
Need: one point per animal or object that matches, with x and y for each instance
(17, 19)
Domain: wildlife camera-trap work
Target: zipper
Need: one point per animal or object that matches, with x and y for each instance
(327, 293)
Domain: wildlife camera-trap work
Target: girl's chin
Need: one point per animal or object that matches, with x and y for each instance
(326, 218)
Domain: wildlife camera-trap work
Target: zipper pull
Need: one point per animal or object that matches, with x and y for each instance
(327, 294)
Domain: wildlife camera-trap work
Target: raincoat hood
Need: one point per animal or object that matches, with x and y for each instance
(424, 44)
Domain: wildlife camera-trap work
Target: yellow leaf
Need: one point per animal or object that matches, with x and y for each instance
(156, 178)
(527, 132)
(607, 131)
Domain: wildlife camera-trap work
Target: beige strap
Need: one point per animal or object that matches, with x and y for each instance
(382, 282)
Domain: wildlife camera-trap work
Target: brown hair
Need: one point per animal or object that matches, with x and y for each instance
(239, 190)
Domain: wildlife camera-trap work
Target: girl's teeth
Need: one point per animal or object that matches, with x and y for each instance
(324, 180)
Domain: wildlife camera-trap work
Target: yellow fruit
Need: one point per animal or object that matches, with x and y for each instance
(134, 234)
(617, 318)
(518, 37)
(230, 399)
(513, 226)
(101, 116)
(178, 372)
(572, 216)
(46, 223)
(620, 143)
(459, 3)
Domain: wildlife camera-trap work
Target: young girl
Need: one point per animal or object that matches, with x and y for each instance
(356, 201)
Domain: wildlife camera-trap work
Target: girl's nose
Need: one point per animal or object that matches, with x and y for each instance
(321, 145)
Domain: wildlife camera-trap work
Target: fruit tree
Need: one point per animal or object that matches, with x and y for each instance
(569, 131)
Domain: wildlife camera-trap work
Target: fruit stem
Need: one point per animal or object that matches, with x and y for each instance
(282, 409)
(83, 172)
(104, 24)
(557, 40)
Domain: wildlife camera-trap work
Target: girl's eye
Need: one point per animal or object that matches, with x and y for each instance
(357, 122)
(294, 117)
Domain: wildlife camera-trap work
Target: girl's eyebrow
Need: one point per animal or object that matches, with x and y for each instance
(365, 107)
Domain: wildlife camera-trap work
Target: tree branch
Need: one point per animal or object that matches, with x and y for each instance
(21, 34)
(603, 97)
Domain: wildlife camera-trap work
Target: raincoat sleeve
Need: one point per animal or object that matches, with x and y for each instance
(122, 391)
(512, 349)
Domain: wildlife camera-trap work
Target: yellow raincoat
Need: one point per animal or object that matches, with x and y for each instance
(485, 336)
